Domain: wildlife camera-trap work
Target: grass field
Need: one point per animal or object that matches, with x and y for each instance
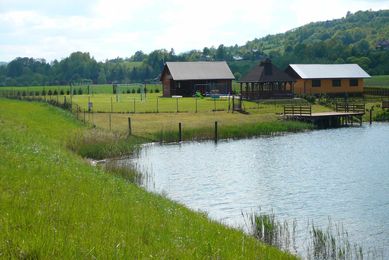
(381, 81)
(53, 204)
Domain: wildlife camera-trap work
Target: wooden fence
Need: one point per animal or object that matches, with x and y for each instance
(292, 110)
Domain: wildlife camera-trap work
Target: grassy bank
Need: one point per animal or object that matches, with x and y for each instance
(53, 204)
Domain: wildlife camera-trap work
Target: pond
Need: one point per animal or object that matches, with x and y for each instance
(342, 174)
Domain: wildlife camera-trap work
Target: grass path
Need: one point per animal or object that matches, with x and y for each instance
(53, 204)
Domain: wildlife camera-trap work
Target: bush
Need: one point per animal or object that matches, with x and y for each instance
(61, 92)
(157, 90)
(37, 93)
(128, 91)
(138, 90)
(55, 92)
(310, 99)
(67, 92)
(133, 91)
(43, 92)
(80, 91)
(49, 92)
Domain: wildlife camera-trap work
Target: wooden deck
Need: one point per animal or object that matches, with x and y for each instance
(326, 119)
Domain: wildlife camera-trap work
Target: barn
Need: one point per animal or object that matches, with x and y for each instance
(332, 79)
(186, 78)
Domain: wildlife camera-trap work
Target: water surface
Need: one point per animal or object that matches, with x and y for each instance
(339, 173)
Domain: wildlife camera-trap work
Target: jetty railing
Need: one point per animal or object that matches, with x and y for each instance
(350, 107)
(293, 110)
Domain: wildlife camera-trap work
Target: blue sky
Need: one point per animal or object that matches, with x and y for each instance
(112, 28)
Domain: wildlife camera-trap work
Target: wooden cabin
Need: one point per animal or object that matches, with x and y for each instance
(266, 81)
(186, 78)
(332, 79)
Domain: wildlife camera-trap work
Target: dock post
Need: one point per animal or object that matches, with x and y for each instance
(371, 115)
(179, 132)
(216, 135)
(129, 126)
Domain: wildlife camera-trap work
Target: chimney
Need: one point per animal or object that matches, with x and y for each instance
(267, 66)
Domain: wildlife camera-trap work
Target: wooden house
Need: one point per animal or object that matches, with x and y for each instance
(332, 79)
(266, 81)
(186, 78)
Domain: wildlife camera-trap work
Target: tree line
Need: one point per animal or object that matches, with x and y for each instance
(361, 38)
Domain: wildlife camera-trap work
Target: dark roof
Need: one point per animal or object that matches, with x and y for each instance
(201, 70)
(266, 72)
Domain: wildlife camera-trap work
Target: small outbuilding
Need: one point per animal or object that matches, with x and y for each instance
(333, 79)
(186, 78)
(266, 81)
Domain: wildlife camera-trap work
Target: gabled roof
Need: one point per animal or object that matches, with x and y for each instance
(329, 71)
(201, 70)
(266, 72)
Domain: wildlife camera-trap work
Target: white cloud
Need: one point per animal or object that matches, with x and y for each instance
(111, 28)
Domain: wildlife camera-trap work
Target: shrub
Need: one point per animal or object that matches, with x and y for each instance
(80, 91)
(61, 92)
(49, 92)
(133, 91)
(37, 93)
(157, 90)
(43, 92)
(138, 90)
(67, 92)
(55, 92)
(151, 91)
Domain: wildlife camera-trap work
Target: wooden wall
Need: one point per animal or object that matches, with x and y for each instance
(304, 86)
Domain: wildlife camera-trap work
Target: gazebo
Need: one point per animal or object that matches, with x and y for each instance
(266, 81)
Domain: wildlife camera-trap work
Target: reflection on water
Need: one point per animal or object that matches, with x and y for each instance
(339, 173)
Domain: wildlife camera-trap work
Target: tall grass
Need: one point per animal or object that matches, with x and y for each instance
(54, 205)
(99, 144)
(233, 131)
(331, 242)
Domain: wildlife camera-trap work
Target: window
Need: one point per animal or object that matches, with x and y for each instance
(316, 83)
(353, 82)
(336, 83)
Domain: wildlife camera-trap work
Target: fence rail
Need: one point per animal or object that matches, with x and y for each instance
(292, 110)
(376, 91)
(347, 107)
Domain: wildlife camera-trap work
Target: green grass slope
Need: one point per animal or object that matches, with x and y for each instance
(53, 204)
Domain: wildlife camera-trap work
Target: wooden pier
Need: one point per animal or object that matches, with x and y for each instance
(345, 114)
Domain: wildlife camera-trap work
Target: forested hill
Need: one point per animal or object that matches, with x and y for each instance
(359, 38)
(362, 37)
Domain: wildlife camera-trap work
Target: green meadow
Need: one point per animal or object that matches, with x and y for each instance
(54, 204)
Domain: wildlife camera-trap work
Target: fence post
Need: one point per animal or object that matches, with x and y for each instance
(84, 117)
(129, 126)
(134, 105)
(110, 121)
(179, 132)
(216, 136)
(214, 104)
(196, 103)
(157, 106)
(371, 115)
(177, 104)
(233, 103)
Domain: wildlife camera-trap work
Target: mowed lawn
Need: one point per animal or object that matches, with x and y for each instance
(53, 204)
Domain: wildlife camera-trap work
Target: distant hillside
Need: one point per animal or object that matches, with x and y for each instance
(362, 37)
(3, 63)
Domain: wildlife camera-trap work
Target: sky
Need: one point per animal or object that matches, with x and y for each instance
(112, 28)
